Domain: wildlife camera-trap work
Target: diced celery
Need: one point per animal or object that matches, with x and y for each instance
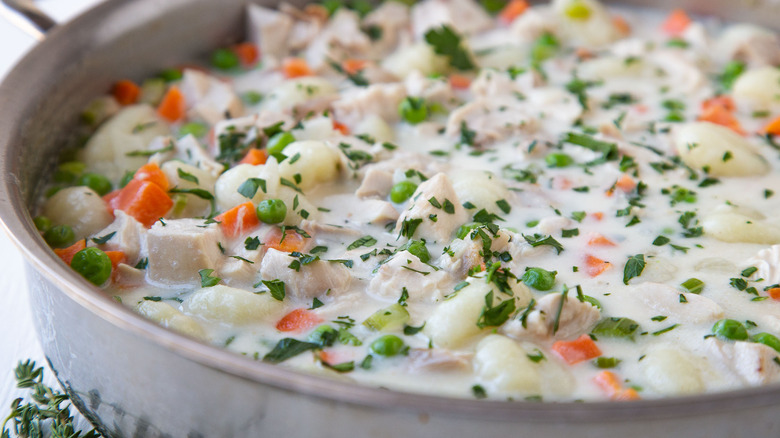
(387, 319)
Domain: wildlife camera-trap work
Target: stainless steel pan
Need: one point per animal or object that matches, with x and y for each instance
(134, 378)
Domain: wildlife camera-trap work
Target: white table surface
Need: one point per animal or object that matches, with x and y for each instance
(17, 336)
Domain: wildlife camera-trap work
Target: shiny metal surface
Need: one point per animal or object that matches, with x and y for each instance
(134, 378)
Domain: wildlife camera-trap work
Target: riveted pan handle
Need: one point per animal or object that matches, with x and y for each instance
(31, 19)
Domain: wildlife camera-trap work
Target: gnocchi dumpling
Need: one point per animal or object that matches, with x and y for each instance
(417, 57)
(723, 152)
(293, 94)
(168, 316)
(735, 227)
(227, 185)
(587, 21)
(502, 366)
(80, 208)
(610, 67)
(313, 161)
(481, 188)
(760, 87)
(228, 304)
(672, 371)
(130, 130)
(186, 176)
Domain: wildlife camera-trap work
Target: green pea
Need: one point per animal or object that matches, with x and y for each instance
(59, 236)
(99, 183)
(402, 191)
(277, 143)
(730, 329)
(767, 339)
(69, 172)
(93, 264)
(171, 74)
(42, 223)
(225, 59)
(387, 345)
(413, 110)
(558, 159)
(539, 279)
(271, 211)
(196, 129)
(577, 10)
(324, 335)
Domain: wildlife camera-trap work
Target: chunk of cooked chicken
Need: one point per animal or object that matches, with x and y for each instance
(127, 237)
(465, 15)
(269, 30)
(751, 362)
(179, 249)
(576, 317)
(310, 280)
(665, 300)
(376, 183)
(208, 98)
(377, 99)
(491, 120)
(422, 282)
(421, 209)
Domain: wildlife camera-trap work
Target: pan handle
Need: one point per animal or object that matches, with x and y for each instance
(31, 19)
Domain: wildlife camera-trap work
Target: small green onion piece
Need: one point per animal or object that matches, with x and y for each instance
(324, 335)
(544, 47)
(577, 10)
(198, 130)
(277, 143)
(693, 285)
(557, 159)
(767, 339)
(171, 74)
(225, 59)
(390, 318)
(730, 329)
(59, 236)
(152, 91)
(387, 345)
(99, 183)
(402, 191)
(93, 264)
(606, 362)
(271, 211)
(591, 300)
(539, 279)
(126, 178)
(42, 223)
(413, 110)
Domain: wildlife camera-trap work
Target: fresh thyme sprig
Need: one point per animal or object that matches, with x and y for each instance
(48, 411)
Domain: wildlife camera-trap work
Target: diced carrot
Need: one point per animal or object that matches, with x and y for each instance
(773, 292)
(583, 53)
(599, 240)
(238, 220)
(512, 10)
(126, 92)
(291, 241)
(298, 320)
(613, 388)
(578, 350)
(66, 254)
(340, 127)
(247, 53)
(353, 66)
(594, 266)
(255, 157)
(598, 215)
(725, 101)
(561, 183)
(621, 25)
(116, 257)
(151, 172)
(676, 22)
(143, 200)
(625, 183)
(721, 116)
(459, 82)
(296, 67)
(640, 108)
(773, 127)
(172, 106)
